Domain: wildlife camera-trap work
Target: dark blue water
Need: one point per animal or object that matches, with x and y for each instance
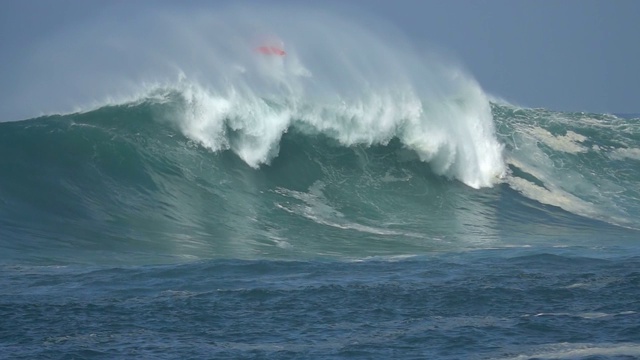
(486, 304)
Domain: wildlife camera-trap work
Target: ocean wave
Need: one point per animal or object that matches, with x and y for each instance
(209, 148)
(128, 182)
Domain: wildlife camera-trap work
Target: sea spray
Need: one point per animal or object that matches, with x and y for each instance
(358, 85)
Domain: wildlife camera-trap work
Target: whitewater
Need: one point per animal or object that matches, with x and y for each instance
(183, 195)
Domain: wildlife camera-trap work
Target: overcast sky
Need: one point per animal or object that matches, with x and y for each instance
(571, 55)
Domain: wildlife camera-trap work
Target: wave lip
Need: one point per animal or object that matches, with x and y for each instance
(457, 142)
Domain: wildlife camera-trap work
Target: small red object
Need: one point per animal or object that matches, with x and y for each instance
(271, 50)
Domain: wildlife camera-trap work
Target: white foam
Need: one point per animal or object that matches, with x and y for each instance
(580, 350)
(569, 143)
(628, 153)
(314, 206)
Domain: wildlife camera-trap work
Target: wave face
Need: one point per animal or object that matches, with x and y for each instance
(136, 183)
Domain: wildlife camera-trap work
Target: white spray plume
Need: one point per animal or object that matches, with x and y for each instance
(356, 84)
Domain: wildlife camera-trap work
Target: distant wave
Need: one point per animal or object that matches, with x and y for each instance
(583, 163)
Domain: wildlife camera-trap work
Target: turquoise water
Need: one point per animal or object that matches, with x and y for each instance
(350, 203)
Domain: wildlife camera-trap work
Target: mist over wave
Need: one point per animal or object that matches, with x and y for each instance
(358, 84)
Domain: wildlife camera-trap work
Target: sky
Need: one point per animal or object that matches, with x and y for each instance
(569, 55)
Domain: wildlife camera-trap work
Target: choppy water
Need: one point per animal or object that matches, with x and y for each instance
(487, 304)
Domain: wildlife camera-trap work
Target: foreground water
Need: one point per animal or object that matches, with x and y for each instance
(501, 304)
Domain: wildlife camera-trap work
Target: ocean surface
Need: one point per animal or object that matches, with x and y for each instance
(353, 204)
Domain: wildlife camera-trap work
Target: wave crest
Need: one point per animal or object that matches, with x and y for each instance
(355, 84)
